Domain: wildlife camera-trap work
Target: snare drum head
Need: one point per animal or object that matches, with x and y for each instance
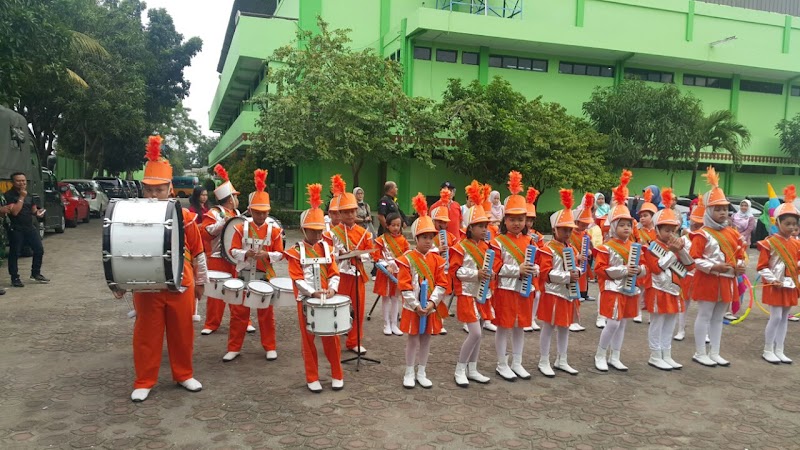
(281, 283)
(215, 275)
(336, 300)
(233, 284)
(226, 241)
(259, 287)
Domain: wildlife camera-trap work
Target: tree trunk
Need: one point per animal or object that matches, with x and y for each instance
(694, 172)
(356, 169)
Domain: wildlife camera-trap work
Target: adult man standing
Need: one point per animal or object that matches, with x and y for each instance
(453, 210)
(387, 205)
(22, 211)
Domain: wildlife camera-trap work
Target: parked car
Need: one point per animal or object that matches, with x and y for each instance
(114, 187)
(759, 233)
(53, 219)
(93, 193)
(76, 208)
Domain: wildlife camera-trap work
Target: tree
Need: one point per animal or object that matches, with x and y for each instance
(718, 131)
(645, 123)
(497, 129)
(789, 133)
(204, 148)
(332, 103)
(181, 135)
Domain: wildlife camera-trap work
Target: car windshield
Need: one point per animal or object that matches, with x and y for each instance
(108, 183)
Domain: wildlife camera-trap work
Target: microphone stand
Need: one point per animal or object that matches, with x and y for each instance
(357, 308)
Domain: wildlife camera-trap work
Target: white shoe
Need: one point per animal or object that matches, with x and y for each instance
(387, 330)
(729, 316)
(528, 329)
(769, 354)
(422, 379)
(503, 370)
(708, 340)
(489, 326)
(360, 350)
(443, 332)
(794, 319)
(719, 360)
(601, 322)
(465, 328)
(576, 327)
(516, 367)
(230, 356)
(408, 378)
(681, 335)
(272, 355)
(396, 331)
(600, 360)
(561, 364)
(779, 353)
(206, 331)
(140, 395)
(657, 361)
(666, 355)
(461, 375)
(535, 326)
(191, 385)
(474, 375)
(251, 329)
(337, 385)
(702, 358)
(544, 366)
(638, 318)
(616, 363)
(315, 387)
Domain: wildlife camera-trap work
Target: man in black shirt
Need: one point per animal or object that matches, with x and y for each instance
(387, 205)
(22, 212)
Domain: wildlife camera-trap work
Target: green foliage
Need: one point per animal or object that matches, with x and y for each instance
(719, 131)
(203, 150)
(290, 218)
(499, 130)
(332, 103)
(789, 133)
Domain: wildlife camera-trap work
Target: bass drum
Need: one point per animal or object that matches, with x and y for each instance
(226, 239)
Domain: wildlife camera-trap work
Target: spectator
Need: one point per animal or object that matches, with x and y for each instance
(388, 204)
(602, 207)
(453, 210)
(23, 231)
(363, 213)
(497, 206)
(464, 208)
(744, 221)
(199, 203)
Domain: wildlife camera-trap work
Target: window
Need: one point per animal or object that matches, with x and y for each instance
(585, 69)
(704, 81)
(470, 58)
(423, 53)
(395, 56)
(795, 91)
(649, 75)
(509, 62)
(787, 171)
(513, 62)
(761, 86)
(449, 56)
(765, 170)
(495, 61)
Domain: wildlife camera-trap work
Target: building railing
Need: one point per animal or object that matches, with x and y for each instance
(510, 8)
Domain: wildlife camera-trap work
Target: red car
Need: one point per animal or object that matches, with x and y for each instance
(75, 206)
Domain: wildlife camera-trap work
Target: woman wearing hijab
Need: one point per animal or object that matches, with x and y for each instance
(363, 213)
(600, 203)
(497, 206)
(744, 221)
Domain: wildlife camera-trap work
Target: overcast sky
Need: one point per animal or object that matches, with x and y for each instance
(208, 20)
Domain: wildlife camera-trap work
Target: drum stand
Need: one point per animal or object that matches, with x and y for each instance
(357, 308)
(374, 304)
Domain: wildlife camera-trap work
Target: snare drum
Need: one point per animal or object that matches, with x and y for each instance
(283, 285)
(143, 244)
(215, 281)
(258, 294)
(328, 318)
(232, 291)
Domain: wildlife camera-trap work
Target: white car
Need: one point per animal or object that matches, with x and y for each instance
(93, 193)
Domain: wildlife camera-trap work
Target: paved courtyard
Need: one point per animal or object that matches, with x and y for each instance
(67, 375)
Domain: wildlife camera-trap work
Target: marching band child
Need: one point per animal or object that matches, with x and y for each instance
(467, 261)
(557, 310)
(582, 223)
(492, 231)
(538, 239)
(264, 248)
(718, 254)
(417, 266)
(612, 269)
(312, 222)
(695, 224)
(663, 296)
(441, 221)
(390, 246)
(512, 310)
(645, 234)
(778, 267)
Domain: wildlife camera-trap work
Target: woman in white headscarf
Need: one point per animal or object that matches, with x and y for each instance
(497, 206)
(744, 221)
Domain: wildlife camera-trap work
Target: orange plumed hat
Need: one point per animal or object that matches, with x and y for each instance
(338, 186)
(667, 215)
(260, 200)
(157, 170)
(586, 215)
(699, 211)
(441, 212)
(530, 200)
(564, 218)
(515, 203)
(423, 224)
(620, 194)
(486, 190)
(715, 196)
(648, 205)
(476, 213)
(225, 189)
(313, 218)
(787, 207)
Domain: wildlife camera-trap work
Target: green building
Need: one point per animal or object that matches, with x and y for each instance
(744, 57)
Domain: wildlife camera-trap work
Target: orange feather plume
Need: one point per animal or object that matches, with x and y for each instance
(314, 195)
(474, 192)
(487, 189)
(260, 177)
(700, 201)
(711, 176)
(789, 194)
(338, 185)
(444, 195)
(420, 204)
(625, 178)
(648, 195)
(153, 149)
(588, 200)
(621, 192)
(514, 182)
(221, 172)
(532, 195)
(667, 197)
(566, 198)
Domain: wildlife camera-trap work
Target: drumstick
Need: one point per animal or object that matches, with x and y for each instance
(132, 312)
(196, 316)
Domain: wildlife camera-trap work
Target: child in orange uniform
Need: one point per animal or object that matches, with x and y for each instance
(777, 265)
(312, 222)
(441, 221)
(645, 234)
(390, 246)
(157, 312)
(467, 261)
(612, 269)
(255, 253)
(538, 239)
(492, 231)
(663, 296)
(416, 266)
(513, 311)
(582, 223)
(557, 310)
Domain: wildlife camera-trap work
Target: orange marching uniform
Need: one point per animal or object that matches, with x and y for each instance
(388, 248)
